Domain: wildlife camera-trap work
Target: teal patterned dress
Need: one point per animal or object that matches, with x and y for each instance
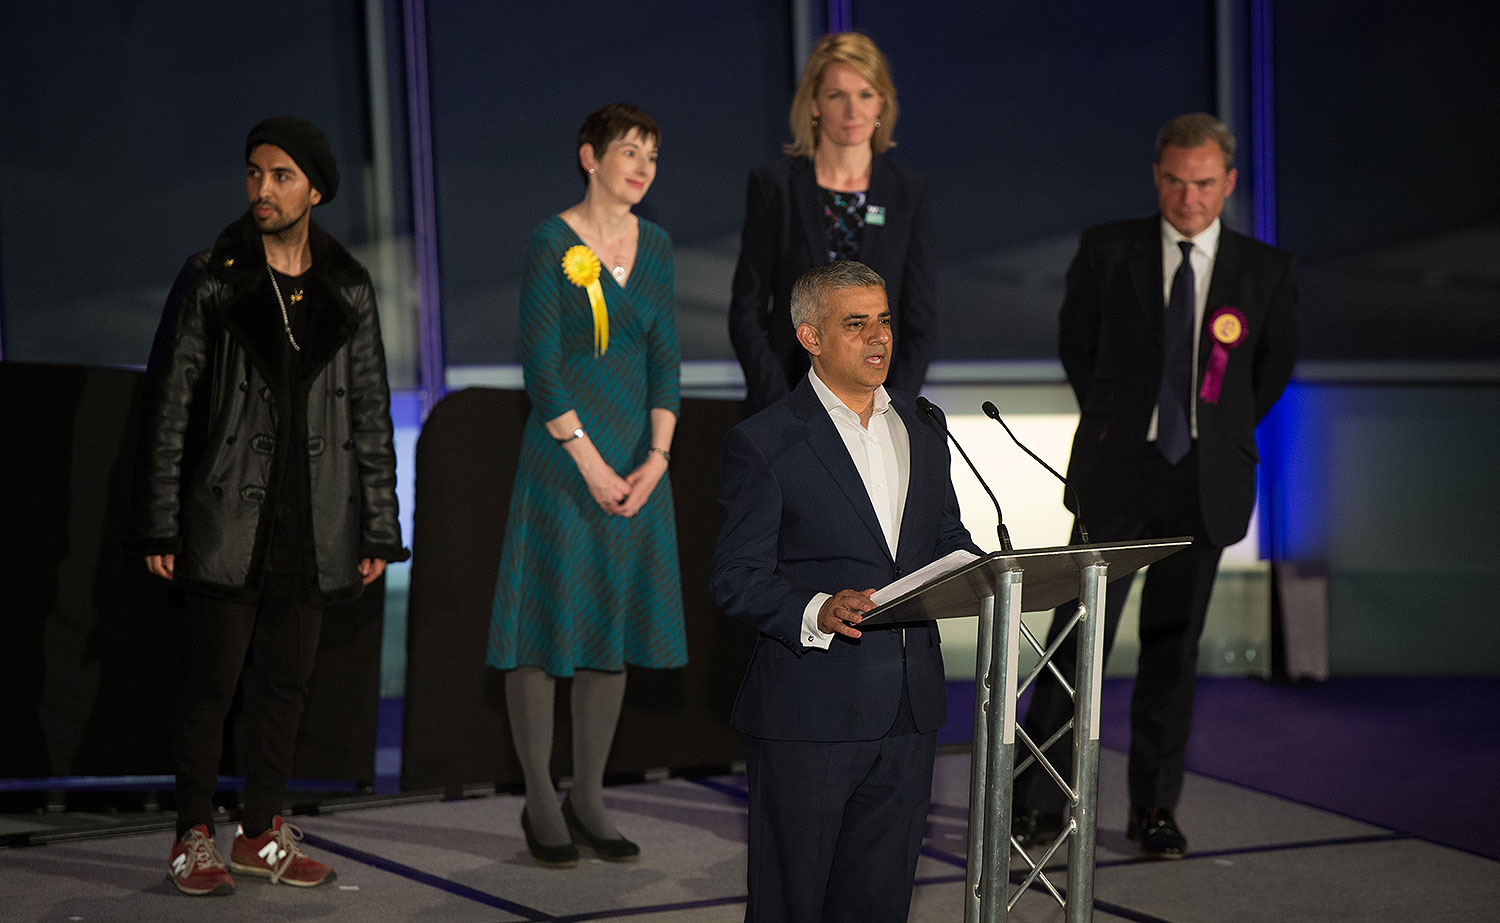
(577, 588)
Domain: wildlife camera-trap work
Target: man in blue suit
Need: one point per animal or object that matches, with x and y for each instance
(836, 489)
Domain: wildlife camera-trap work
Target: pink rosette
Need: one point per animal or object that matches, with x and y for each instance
(1228, 328)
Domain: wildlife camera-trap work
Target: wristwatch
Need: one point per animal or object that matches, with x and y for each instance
(577, 434)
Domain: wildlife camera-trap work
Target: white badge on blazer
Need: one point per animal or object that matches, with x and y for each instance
(875, 214)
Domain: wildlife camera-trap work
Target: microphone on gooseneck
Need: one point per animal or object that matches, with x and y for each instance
(927, 407)
(994, 414)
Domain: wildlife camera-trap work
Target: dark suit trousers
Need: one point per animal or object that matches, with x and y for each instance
(835, 827)
(280, 636)
(1174, 602)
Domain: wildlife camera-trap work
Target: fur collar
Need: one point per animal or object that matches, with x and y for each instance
(249, 308)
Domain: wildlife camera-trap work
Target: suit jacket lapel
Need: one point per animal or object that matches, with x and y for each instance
(1229, 266)
(807, 208)
(1146, 277)
(882, 188)
(830, 450)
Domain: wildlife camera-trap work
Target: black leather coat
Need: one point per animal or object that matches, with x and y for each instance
(209, 413)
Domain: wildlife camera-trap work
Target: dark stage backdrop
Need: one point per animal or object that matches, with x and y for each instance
(90, 638)
(1386, 145)
(126, 153)
(1034, 119)
(455, 731)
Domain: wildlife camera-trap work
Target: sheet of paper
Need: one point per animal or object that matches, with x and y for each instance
(949, 562)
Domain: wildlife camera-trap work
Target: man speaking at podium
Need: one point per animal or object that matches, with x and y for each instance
(837, 489)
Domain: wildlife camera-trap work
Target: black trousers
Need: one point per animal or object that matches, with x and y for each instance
(280, 636)
(836, 826)
(1174, 602)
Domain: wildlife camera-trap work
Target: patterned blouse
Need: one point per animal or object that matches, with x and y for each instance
(844, 223)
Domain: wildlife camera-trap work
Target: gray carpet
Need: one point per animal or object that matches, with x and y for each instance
(1255, 858)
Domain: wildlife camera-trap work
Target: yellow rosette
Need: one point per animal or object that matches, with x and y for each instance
(581, 267)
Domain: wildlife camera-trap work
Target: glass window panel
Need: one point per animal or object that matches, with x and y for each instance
(510, 86)
(122, 156)
(1387, 145)
(1034, 120)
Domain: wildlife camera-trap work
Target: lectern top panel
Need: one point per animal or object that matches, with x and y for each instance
(1050, 577)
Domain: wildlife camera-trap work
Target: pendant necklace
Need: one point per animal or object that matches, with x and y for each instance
(286, 321)
(618, 269)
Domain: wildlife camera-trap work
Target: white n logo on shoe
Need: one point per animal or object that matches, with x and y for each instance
(272, 853)
(180, 865)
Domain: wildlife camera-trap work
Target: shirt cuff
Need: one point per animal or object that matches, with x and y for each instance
(812, 636)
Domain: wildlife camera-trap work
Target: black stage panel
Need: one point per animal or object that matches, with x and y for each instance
(90, 643)
(455, 730)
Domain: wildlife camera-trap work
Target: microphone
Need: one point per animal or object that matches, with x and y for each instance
(927, 407)
(994, 414)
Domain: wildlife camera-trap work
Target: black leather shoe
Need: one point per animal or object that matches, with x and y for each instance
(1031, 827)
(552, 857)
(616, 850)
(1156, 830)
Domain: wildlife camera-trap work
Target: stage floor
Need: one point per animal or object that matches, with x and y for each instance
(1255, 857)
(1351, 800)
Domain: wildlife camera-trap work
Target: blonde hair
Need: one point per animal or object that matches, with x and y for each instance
(860, 53)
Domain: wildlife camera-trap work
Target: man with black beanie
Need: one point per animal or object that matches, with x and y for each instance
(265, 488)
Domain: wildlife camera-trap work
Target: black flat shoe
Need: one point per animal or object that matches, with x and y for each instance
(616, 850)
(552, 857)
(1156, 830)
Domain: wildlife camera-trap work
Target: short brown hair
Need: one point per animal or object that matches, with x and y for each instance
(1194, 130)
(608, 123)
(859, 52)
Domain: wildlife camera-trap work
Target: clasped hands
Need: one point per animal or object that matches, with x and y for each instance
(624, 496)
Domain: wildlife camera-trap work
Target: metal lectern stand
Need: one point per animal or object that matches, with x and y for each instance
(993, 584)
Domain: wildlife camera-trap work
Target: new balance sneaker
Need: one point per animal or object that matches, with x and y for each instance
(196, 866)
(276, 855)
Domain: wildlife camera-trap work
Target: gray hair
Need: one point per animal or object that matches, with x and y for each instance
(810, 291)
(1194, 130)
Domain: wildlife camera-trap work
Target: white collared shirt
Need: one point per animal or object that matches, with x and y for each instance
(881, 452)
(1205, 251)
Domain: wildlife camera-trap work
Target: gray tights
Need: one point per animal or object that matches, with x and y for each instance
(530, 695)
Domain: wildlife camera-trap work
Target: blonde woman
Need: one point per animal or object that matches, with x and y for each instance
(836, 195)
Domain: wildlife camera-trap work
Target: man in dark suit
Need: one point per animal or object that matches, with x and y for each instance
(1177, 336)
(836, 489)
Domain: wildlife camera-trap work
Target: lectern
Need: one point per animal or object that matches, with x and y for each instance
(993, 586)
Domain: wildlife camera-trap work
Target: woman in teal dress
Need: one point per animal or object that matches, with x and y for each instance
(588, 578)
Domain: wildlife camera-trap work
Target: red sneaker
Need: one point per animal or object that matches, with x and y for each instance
(196, 867)
(276, 855)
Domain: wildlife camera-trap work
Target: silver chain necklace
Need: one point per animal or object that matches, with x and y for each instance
(286, 321)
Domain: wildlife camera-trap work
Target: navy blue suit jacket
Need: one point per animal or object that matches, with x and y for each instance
(1111, 347)
(797, 521)
(783, 237)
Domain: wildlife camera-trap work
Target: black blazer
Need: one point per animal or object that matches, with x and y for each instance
(1111, 347)
(797, 521)
(783, 237)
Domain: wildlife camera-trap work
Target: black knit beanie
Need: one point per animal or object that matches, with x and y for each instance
(305, 144)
